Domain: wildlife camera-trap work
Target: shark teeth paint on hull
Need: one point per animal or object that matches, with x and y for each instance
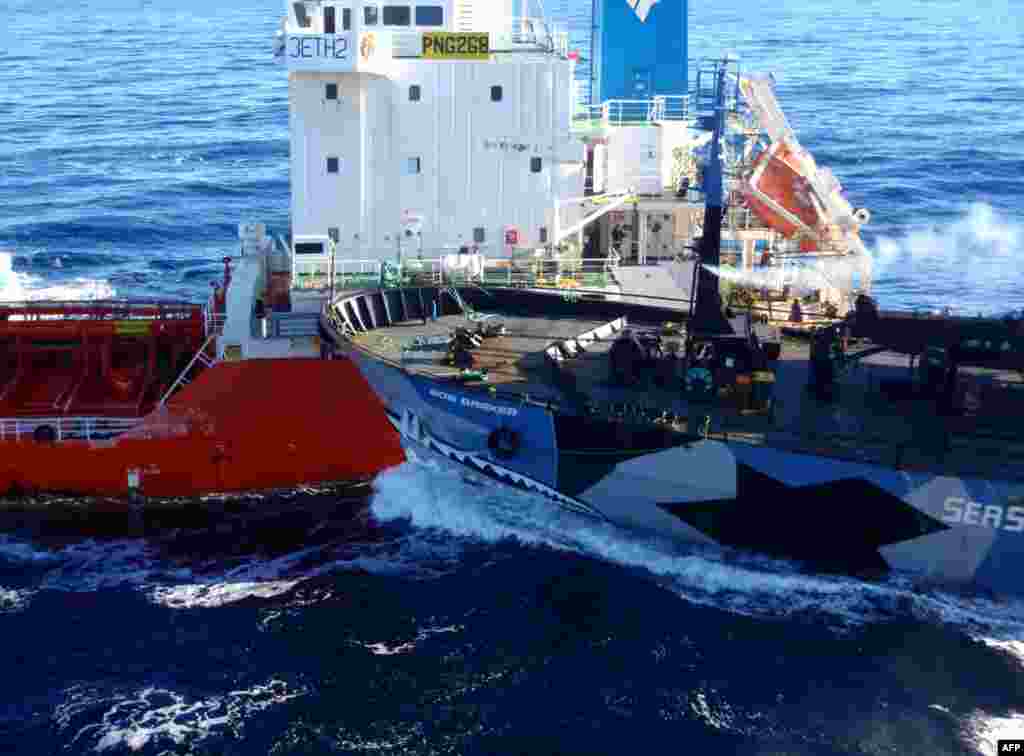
(489, 469)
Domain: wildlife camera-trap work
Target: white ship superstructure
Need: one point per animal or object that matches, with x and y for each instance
(428, 126)
(448, 132)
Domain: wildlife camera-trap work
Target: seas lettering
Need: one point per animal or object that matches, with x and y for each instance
(957, 510)
(319, 47)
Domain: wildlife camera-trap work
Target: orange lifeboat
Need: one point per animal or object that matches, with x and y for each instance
(780, 194)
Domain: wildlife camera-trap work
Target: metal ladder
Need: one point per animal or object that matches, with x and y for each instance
(201, 358)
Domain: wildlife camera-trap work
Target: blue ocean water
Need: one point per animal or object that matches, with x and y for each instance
(134, 136)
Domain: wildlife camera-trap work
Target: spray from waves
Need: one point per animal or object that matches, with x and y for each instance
(13, 600)
(959, 264)
(22, 287)
(802, 277)
(986, 731)
(746, 584)
(439, 501)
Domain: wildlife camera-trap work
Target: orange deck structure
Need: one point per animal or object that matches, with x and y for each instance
(99, 359)
(239, 426)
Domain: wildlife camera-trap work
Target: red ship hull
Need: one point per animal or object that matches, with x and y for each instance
(239, 426)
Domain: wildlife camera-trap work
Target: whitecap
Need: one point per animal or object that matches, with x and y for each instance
(439, 501)
(157, 716)
(13, 600)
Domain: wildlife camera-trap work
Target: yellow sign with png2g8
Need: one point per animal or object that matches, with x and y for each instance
(457, 45)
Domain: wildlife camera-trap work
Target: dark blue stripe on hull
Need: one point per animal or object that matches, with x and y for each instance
(839, 524)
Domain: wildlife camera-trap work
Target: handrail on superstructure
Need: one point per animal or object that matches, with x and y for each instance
(626, 112)
(542, 269)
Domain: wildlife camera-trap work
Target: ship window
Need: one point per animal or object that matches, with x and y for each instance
(414, 93)
(536, 164)
(346, 19)
(543, 235)
(329, 20)
(429, 15)
(333, 165)
(369, 15)
(309, 248)
(478, 235)
(301, 16)
(396, 15)
(334, 234)
(496, 94)
(412, 166)
(331, 91)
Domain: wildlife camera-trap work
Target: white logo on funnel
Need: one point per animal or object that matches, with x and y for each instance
(642, 7)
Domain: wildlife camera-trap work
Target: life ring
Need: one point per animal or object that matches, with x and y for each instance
(699, 381)
(44, 434)
(862, 215)
(504, 442)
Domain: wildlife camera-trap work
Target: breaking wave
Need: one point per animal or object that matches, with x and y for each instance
(22, 287)
(13, 600)
(438, 501)
(265, 549)
(978, 253)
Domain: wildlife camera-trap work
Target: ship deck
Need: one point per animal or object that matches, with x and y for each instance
(864, 424)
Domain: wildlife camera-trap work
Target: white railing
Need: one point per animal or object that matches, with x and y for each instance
(87, 428)
(531, 32)
(633, 112)
(541, 273)
(215, 323)
(529, 271)
(672, 107)
(587, 114)
(315, 275)
(618, 112)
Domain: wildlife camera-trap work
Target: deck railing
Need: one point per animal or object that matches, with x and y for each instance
(634, 112)
(525, 272)
(99, 310)
(215, 323)
(86, 428)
